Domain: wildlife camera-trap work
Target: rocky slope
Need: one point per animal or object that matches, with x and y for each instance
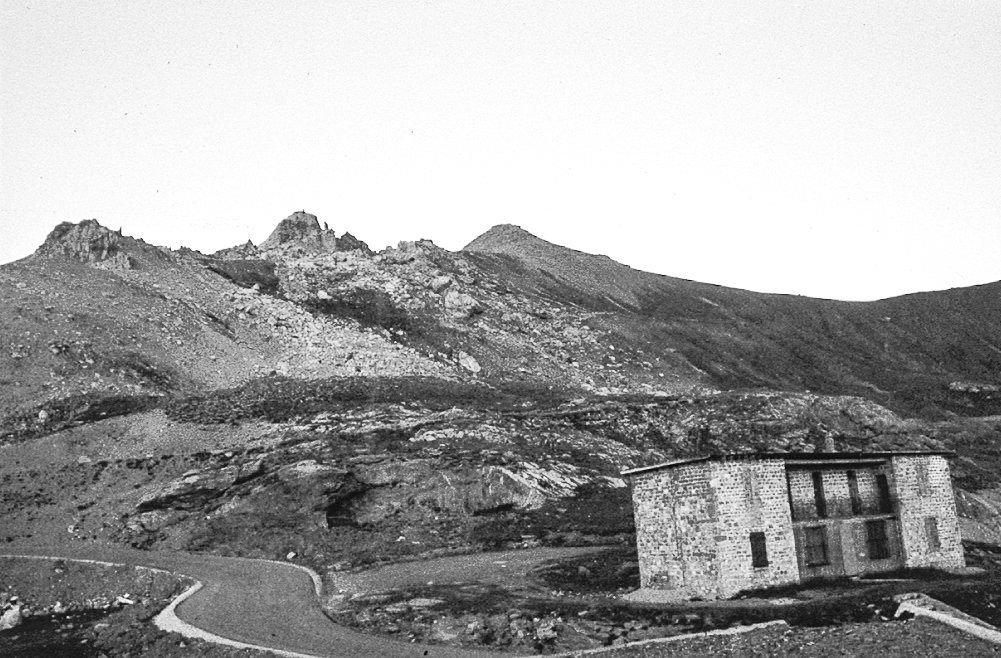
(307, 396)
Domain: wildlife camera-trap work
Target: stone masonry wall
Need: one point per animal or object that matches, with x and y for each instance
(919, 501)
(752, 496)
(675, 512)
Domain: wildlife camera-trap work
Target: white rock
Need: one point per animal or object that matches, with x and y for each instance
(468, 362)
(11, 618)
(461, 305)
(439, 283)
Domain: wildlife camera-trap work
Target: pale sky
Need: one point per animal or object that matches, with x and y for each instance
(849, 150)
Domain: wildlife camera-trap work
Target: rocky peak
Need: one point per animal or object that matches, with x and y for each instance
(302, 229)
(89, 242)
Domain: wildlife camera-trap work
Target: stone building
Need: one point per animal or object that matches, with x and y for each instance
(713, 526)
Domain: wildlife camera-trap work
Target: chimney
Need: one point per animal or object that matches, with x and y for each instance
(829, 443)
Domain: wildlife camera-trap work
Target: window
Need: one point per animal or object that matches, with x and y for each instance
(759, 554)
(815, 546)
(931, 533)
(853, 492)
(751, 489)
(924, 489)
(818, 494)
(883, 485)
(879, 543)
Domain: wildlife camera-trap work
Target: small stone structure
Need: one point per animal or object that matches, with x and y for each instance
(711, 527)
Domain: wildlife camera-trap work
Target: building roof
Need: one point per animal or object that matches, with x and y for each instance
(801, 458)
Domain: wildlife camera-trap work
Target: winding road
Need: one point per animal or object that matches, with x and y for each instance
(274, 606)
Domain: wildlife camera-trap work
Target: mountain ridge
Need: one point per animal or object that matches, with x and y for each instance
(920, 353)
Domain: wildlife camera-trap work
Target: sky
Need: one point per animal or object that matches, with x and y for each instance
(846, 150)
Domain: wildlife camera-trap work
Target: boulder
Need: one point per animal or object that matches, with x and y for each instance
(11, 618)
(461, 306)
(468, 362)
(439, 283)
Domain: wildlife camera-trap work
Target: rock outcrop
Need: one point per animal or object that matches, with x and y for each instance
(302, 230)
(196, 489)
(91, 243)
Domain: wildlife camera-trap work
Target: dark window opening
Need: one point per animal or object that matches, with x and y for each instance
(931, 533)
(856, 500)
(798, 512)
(879, 542)
(883, 485)
(759, 553)
(815, 546)
(818, 494)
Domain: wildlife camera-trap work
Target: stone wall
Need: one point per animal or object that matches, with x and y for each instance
(675, 512)
(752, 496)
(923, 490)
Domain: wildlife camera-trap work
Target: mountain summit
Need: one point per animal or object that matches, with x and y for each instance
(299, 227)
(302, 229)
(597, 276)
(505, 239)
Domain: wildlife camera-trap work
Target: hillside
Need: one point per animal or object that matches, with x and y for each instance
(926, 353)
(308, 395)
